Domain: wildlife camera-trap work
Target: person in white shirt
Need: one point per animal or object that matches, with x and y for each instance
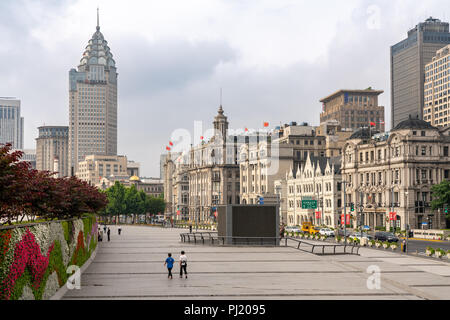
(183, 264)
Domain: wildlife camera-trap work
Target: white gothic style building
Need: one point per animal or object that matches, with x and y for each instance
(319, 179)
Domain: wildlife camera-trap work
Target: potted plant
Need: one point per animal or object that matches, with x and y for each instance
(338, 239)
(356, 241)
(448, 238)
(448, 254)
(324, 237)
(378, 243)
(386, 245)
(371, 243)
(430, 251)
(393, 246)
(292, 234)
(297, 234)
(439, 253)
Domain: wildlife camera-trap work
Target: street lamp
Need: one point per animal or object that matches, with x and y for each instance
(407, 220)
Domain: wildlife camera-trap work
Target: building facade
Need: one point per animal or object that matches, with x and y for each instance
(96, 167)
(320, 180)
(394, 172)
(261, 164)
(437, 89)
(408, 60)
(93, 103)
(11, 123)
(354, 109)
(52, 149)
(152, 187)
(214, 172)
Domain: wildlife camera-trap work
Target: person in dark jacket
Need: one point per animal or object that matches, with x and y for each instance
(109, 233)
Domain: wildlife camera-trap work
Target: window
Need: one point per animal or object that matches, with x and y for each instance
(423, 133)
(445, 151)
(424, 151)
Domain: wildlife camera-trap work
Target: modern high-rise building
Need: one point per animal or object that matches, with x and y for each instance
(52, 149)
(408, 60)
(354, 109)
(11, 123)
(437, 89)
(93, 103)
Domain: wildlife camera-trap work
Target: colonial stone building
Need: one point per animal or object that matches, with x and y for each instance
(394, 172)
(213, 172)
(319, 179)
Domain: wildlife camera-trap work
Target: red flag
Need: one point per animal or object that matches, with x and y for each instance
(246, 130)
(266, 124)
(168, 148)
(318, 214)
(373, 124)
(170, 142)
(201, 137)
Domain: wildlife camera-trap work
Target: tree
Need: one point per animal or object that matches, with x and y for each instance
(25, 192)
(132, 202)
(116, 200)
(441, 197)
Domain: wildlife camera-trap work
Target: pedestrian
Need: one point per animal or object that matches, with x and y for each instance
(183, 264)
(104, 228)
(99, 235)
(169, 261)
(190, 228)
(120, 230)
(108, 233)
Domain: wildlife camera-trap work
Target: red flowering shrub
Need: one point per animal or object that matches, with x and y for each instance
(5, 238)
(78, 256)
(27, 254)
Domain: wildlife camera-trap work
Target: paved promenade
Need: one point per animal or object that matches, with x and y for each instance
(131, 267)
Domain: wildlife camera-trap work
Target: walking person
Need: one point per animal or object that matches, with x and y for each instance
(183, 264)
(109, 233)
(169, 261)
(119, 230)
(104, 228)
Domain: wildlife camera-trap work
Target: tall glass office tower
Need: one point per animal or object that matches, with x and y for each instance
(408, 60)
(11, 123)
(93, 103)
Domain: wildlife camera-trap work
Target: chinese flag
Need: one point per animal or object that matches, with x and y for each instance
(246, 130)
(201, 137)
(170, 142)
(317, 214)
(373, 124)
(168, 148)
(266, 124)
(215, 214)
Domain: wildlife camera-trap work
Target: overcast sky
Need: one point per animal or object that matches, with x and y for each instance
(274, 60)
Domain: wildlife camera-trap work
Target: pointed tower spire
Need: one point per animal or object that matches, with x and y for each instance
(98, 19)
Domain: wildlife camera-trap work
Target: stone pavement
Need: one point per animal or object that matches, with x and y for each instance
(131, 267)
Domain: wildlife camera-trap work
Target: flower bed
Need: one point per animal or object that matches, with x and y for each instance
(34, 258)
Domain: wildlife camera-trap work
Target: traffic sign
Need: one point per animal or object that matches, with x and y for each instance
(309, 204)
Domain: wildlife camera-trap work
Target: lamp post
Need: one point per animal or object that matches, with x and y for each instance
(407, 221)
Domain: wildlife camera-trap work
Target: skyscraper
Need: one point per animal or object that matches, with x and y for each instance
(11, 123)
(52, 149)
(437, 89)
(408, 60)
(93, 103)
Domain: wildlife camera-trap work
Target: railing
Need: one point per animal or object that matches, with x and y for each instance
(319, 249)
(325, 249)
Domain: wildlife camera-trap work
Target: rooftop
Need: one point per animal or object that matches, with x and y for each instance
(368, 91)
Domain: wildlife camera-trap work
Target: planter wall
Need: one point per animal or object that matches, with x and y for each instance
(34, 258)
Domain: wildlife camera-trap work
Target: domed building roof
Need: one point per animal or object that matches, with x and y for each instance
(414, 124)
(97, 51)
(362, 133)
(134, 178)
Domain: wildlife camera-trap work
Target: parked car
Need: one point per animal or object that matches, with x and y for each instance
(326, 232)
(292, 229)
(360, 236)
(342, 233)
(386, 236)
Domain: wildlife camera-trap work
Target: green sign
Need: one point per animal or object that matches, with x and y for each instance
(309, 204)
